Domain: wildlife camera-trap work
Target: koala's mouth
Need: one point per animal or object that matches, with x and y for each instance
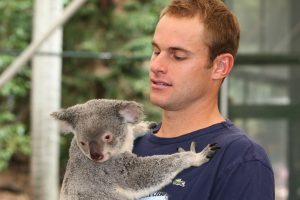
(101, 158)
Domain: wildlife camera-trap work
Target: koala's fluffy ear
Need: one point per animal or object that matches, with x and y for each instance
(131, 111)
(65, 119)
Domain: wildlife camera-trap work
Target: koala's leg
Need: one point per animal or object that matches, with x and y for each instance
(149, 174)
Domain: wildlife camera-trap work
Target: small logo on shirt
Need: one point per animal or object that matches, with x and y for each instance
(179, 182)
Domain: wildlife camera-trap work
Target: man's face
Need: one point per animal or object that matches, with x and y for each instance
(180, 72)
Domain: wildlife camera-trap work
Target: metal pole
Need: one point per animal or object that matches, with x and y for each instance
(45, 98)
(224, 93)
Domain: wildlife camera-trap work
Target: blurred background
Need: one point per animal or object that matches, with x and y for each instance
(102, 51)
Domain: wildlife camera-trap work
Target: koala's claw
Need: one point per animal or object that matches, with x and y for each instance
(205, 155)
(214, 147)
(210, 150)
(152, 125)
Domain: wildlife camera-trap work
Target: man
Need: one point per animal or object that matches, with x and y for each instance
(194, 46)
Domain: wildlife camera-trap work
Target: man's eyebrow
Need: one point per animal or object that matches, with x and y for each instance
(154, 44)
(171, 48)
(179, 49)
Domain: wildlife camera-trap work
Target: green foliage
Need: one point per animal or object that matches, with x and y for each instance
(13, 139)
(15, 23)
(99, 26)
(128, 33)
(15, 33)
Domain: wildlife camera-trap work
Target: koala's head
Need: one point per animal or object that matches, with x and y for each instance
(100, 126)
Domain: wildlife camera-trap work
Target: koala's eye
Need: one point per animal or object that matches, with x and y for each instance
(82, 143)
(108, 137)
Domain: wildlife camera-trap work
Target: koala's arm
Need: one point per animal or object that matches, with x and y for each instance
(145, 175)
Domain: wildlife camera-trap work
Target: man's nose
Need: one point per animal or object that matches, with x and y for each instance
(159, 63)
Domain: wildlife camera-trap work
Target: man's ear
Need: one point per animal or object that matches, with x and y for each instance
(65, 119)
(131, 111)
(222, 66)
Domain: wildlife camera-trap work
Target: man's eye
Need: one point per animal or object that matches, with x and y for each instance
(178, 55)
(179, 58)
(155, 52)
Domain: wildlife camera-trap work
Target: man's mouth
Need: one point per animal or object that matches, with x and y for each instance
(160, 83)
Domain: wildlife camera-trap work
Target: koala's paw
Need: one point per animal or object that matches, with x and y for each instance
(152, 125)
(205, 155)
(143, 127)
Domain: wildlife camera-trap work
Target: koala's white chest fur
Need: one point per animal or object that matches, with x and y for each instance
(134, 131)
(128, 142)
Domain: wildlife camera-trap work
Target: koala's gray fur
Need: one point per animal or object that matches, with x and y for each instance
(101, 164)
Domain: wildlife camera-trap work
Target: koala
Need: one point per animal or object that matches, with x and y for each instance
(101, 164)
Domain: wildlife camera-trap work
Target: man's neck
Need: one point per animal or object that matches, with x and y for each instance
(177, 123)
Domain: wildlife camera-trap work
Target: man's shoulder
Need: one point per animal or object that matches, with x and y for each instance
(233, 138)
(239, 149)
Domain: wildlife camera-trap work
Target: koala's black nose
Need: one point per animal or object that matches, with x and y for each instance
(96, 156)
(95, 151)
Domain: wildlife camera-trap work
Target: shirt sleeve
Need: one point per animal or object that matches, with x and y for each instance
(245, 181)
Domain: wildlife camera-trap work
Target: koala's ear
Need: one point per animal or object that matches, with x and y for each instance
(131, 111)
(65, 119)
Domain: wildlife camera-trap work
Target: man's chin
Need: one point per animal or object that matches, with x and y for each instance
(159, 102)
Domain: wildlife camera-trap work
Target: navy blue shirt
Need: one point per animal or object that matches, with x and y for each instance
(240, 170)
